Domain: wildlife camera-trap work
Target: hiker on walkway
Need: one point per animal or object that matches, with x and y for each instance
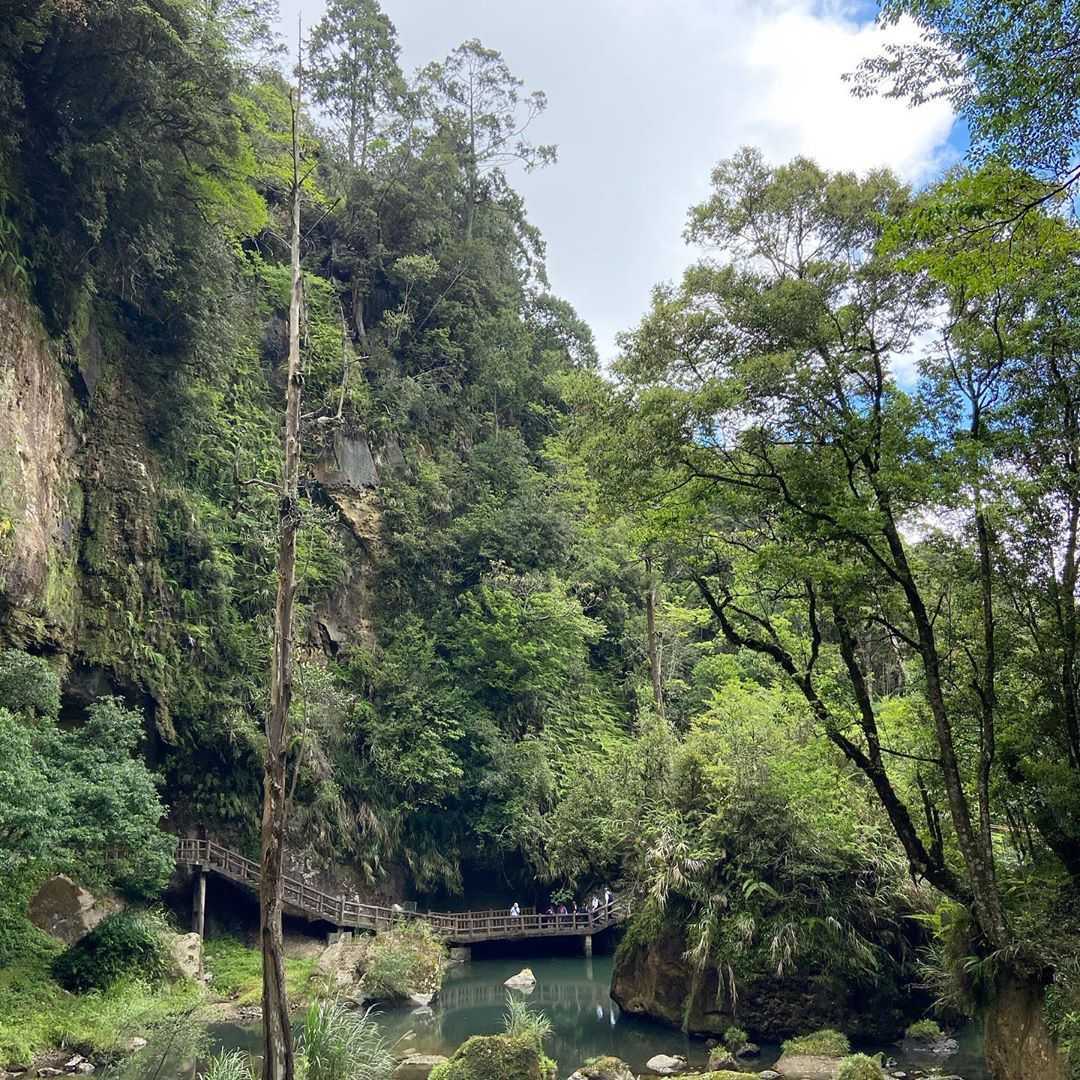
(515, 910)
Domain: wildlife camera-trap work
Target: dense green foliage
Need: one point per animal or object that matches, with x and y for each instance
(896, 548)
(481, 608)
(125, 944)
(407, 959)
(36, 1014)
(81, 801)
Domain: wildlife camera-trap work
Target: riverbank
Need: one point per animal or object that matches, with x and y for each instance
(39, 1018)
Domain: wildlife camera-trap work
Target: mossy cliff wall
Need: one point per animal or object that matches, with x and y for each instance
(130, 557)
(40, 487)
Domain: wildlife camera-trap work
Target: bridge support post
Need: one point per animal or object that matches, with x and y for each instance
(198, 902)
(588, 944)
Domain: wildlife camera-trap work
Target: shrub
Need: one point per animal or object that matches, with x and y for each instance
(735, 1038)
(860, 1067)
(127, 944)
(405, 960)
(337, 1044)
(823, 1043)
(229, 1065)
(924, 1031)
(519, 1021)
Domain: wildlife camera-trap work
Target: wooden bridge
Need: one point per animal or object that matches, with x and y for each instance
(454, 927)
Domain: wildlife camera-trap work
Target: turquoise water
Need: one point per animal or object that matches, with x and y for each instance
(573, 991)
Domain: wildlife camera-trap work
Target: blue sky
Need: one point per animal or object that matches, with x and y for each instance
(645, 96)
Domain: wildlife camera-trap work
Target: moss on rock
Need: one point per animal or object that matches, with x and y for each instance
(496, 1057)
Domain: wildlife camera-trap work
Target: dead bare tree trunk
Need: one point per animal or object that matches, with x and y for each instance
(278, 1051)
(650, 633)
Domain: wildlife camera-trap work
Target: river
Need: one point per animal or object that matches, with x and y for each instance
(573, 991)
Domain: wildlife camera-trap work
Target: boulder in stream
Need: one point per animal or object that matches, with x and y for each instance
(524, 980)
(603, 1068)
(666, 1064)
(418, 1066)
(808, 1067)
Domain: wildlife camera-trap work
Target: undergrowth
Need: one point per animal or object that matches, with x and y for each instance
(37, 1014)
(824, 1043)
(235, 972)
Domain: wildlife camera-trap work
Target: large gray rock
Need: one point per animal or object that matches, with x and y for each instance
(66, 910)
(186, 952)
(417, 1066)
(807, 1067)
(348, 464)
(524, 980)
(942, 1045)
(666, 1064)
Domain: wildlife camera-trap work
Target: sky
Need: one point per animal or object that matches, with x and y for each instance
(646, 96)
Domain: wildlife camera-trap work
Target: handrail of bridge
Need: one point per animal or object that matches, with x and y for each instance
(461, 926)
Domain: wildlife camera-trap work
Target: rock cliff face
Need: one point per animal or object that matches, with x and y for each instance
(40, 493)
(656, 981)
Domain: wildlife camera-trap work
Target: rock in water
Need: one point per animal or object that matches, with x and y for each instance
(417, 1066)
(605, 1068)
(807, 1067)
(524, 980)
(666, 1064)
(722, 1059)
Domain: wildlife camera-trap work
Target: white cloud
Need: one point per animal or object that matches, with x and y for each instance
(796, 59)
(646, 96)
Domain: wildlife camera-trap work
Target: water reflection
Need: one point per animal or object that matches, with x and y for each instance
(573, 991)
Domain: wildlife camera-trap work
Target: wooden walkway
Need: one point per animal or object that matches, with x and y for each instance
(455, 927)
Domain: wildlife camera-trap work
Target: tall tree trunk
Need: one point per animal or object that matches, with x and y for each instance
(1019, 1045)
(278, 1052)
(650, 634)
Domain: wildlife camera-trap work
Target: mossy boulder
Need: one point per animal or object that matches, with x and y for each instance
(861, 1067)
(603, 1068)
(722, 1059)
(496, 1057)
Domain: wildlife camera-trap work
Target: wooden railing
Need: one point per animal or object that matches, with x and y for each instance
(454, 926)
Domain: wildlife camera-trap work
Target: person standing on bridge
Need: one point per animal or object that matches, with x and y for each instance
(515, 910)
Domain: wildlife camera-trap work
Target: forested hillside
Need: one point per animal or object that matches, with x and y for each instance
(772, 626)
(463, 619)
